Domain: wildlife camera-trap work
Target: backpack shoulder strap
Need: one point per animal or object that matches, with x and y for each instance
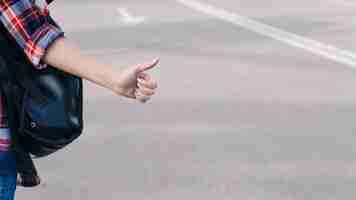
(24, 162)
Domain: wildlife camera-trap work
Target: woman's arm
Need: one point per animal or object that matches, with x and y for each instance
(28, 23)
(132, 82)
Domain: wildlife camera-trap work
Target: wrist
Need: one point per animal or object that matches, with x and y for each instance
(112, 82)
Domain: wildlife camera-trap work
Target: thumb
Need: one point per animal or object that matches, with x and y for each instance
(147, 66)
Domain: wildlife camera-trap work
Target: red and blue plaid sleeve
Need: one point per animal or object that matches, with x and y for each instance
(28, 22)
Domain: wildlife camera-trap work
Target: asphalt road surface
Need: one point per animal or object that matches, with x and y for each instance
(239, 114)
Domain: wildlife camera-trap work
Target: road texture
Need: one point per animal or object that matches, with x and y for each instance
(238, 114)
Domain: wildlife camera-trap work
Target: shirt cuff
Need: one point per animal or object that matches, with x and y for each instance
(44, 37)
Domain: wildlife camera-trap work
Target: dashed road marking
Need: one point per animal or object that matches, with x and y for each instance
(127, 18)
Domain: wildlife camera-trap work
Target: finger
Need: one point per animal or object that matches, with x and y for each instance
(143, 76)
(152, 84)
(147, 66)
(141, 97)
(145, 91)
(147, 78)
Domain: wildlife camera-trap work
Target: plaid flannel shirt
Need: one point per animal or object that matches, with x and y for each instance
(28, 23)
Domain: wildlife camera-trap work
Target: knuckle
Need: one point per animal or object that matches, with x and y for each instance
(153, 85)
(148, 92)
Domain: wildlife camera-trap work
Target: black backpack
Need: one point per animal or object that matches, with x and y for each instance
(44, 106)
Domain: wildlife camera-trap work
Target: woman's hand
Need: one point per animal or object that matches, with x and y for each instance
(135, 83)
(132, 82)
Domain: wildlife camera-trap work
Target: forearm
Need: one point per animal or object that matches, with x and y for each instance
(66, 56)
(133, 82)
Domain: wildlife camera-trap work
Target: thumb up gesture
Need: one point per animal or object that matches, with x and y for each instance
(135, 83)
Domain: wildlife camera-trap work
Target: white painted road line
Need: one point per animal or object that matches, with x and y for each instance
(345, 2)
(127, 18)
(325, 50)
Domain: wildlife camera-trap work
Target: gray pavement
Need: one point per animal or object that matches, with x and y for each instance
(238, 115)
